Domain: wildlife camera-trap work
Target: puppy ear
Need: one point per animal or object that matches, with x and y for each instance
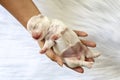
(41, 16)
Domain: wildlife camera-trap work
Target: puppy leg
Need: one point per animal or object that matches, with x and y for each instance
(82, 62)
(48, 44)
(85, 63)
(71, 62)
(90, 54)
(58, 34)
(54, 37)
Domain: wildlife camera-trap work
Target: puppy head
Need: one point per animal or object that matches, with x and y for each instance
(38, 26)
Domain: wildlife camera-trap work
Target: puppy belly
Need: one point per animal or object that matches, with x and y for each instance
(72, 51)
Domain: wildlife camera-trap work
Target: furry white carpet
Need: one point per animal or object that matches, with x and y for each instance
(101, 20)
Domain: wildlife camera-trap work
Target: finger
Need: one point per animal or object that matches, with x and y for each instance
(50, 53)
(77, 69)
(81, 33)
(89, 59)
(88, 43)
(58, 60)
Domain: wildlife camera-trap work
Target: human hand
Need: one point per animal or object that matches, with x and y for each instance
(86, 43)
(50, 53)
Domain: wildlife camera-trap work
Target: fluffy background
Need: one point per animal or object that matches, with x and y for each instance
(19, 53)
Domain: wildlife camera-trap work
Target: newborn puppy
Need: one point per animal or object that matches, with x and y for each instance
(63, 40)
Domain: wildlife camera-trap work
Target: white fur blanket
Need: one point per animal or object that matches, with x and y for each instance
(19, 53)
(101, 20)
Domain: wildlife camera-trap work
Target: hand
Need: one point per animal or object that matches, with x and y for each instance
(86, 43)
(50, 53)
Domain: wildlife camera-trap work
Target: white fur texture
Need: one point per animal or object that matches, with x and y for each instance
(101, 20)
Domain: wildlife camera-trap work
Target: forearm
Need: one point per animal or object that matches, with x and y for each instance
(22, 10)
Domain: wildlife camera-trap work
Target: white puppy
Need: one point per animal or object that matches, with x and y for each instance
(64, 41)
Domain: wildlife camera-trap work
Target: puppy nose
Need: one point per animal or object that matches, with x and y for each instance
(36, 35)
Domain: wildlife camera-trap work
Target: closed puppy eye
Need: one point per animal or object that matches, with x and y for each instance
(35, 27)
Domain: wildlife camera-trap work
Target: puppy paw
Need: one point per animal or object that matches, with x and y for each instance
(93, 55)
(55, 37)
(96, 55)
(43, 50)
(89, 64)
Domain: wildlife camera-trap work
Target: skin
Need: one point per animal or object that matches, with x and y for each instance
(23, 10)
